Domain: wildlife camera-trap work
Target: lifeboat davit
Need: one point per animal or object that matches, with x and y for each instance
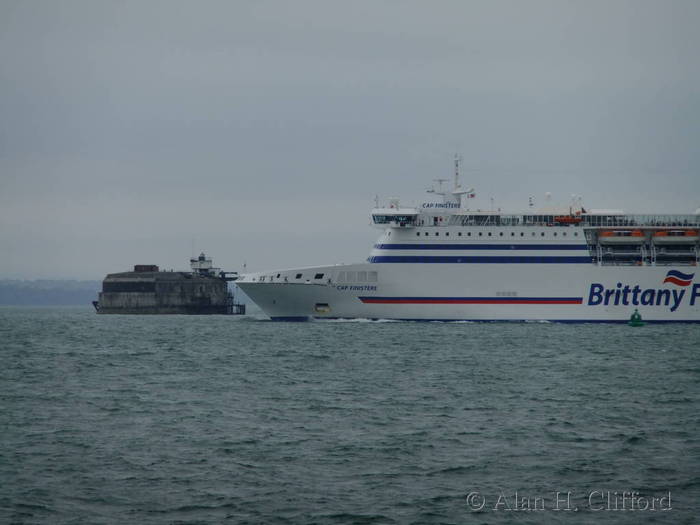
(621, 237)
(676, 237)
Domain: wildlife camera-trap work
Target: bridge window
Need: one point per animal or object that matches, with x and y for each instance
(318, 276)
(361, 277)
(341, 277)
(372, 277)
(298, 276)
(401, 219)
(351, 277)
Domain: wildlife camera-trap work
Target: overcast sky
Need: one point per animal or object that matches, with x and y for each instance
(261, 131)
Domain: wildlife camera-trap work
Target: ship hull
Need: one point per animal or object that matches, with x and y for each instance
(478, 292)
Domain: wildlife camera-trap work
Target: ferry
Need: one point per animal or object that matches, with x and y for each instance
(441, 260)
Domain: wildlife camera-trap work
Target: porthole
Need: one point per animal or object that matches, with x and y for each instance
(522, 234)
(489, 234)
(417, 234)
(459, 234)
(437, 233)
(542, 234)
(575, 234)
(480, 234)
(564, 234)
(512, 234)
(426, 234)
(469, 234)
(447, 234)
(555, 234)
(533, 234)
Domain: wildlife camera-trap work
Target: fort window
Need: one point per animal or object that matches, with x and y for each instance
(133, 286)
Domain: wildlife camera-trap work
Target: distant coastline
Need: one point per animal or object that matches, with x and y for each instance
(45, 292)
(58, 292)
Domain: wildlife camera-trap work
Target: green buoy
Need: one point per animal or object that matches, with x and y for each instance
(636, 319)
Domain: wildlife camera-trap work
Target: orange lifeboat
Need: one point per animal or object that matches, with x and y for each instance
(676, 237)
(568, 219)
(621, 237)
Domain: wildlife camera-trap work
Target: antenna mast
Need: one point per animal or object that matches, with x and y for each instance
(439, 190)
(456, 172)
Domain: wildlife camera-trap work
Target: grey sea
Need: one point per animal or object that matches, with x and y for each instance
(216, 419)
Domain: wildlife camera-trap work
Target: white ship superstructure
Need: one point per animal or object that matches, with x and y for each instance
(441, 260)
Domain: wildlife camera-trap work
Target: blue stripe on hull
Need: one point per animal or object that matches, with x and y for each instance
(568, 321)
(428, 246)
(524, 259)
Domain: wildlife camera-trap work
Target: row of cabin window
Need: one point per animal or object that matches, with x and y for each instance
(512, 234)
(357, 277)
(297, 276)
